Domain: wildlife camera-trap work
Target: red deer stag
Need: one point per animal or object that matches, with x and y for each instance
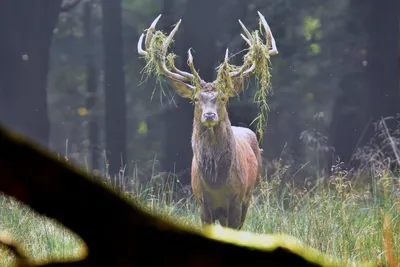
(226, 159)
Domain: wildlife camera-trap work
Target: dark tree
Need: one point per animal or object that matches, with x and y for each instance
(382, 69)
(26, 29)
(371, 93)
(114, 86)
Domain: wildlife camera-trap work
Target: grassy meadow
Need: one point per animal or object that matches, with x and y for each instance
(332, 215)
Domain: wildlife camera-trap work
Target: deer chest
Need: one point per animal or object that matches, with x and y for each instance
(216, 197)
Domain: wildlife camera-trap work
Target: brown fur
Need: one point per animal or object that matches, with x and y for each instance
(225, 166)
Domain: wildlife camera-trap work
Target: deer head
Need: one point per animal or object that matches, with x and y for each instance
(210, 98)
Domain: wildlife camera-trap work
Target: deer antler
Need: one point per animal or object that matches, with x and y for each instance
(249, 64)
(156, 47)
(159, 55)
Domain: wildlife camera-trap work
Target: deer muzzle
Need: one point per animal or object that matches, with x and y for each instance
(209, 119)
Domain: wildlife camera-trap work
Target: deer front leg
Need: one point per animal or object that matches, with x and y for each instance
(245, 208)
(233, 216)
(206, 215)
(207, 210)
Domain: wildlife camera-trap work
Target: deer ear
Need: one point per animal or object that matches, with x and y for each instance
(181, 88)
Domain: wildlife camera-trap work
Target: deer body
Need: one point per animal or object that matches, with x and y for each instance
(225, 167)
(226, 159)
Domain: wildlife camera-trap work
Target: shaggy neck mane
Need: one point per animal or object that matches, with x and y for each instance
(214, 151)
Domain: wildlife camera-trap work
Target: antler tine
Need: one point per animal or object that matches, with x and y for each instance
(149, 36)
(171, 35)
(191, 65)
(181, 72)
(166, 44)
(227, 55)
(247, 40)
(246, 31)
(273, 50)
(175, 74)
(139, 46)
(247, 37)
(150, 31)
(254, 41)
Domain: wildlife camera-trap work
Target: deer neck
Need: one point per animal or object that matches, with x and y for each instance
(214, 151)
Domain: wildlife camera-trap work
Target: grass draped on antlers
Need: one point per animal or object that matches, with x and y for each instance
(257, 54)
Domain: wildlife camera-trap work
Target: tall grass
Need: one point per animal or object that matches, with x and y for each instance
(331, 215)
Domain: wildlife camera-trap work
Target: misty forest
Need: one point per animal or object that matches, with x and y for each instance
(145, 102)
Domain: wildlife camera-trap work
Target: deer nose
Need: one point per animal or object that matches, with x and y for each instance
(209, 116)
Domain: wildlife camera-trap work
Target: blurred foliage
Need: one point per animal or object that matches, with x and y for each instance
(312, 28)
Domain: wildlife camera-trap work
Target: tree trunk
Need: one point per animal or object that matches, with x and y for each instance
(91, 88)
(26, 29)
(114, 86)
